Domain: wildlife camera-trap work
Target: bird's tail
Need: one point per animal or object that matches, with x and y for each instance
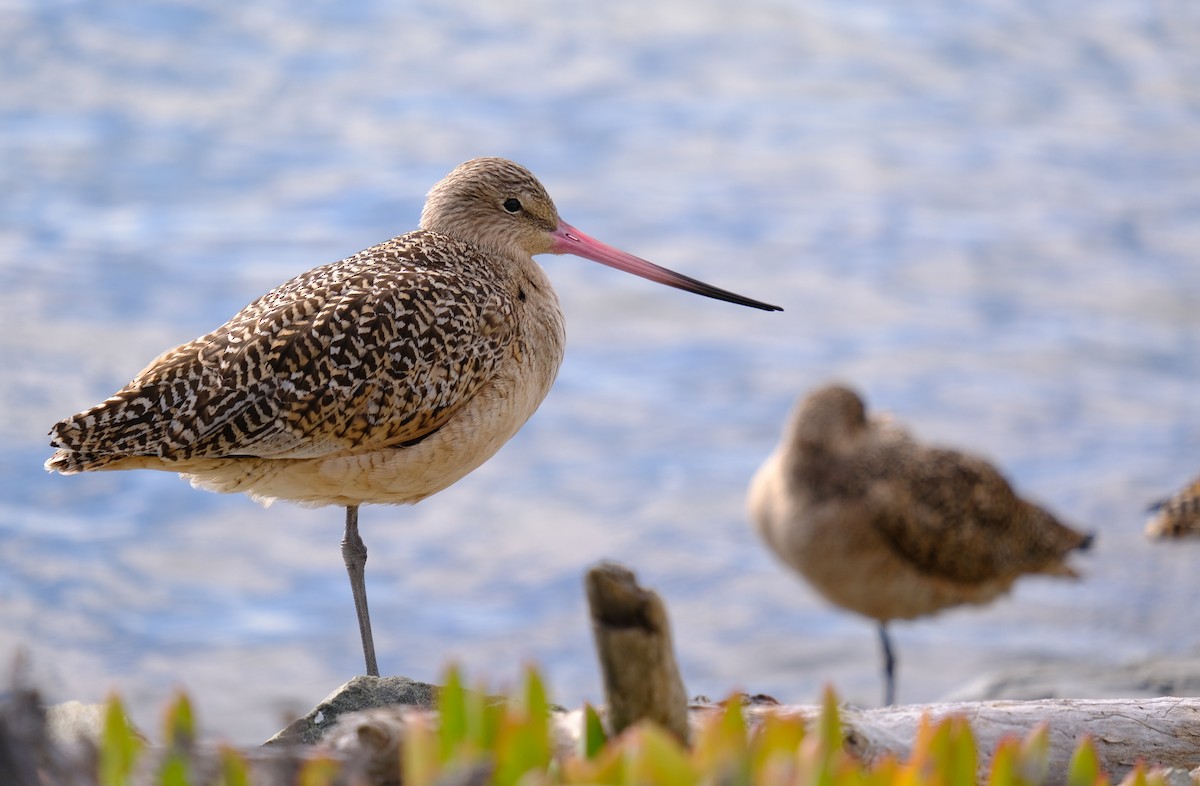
(68, 462)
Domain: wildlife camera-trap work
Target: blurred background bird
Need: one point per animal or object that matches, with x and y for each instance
(1178, 516)
(889, 528)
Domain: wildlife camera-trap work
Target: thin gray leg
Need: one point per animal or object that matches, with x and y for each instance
(889, 666)
(354, 552)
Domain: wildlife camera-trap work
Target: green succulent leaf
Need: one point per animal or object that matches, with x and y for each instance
(180, 727)
(120, 746)
(453, 727)
(318, 772)
(233, 769)
(419, 765)
(1084, 768)
(594, 736)
(1137, 777)
(1035, 756)
(657, 757)
(1004, 764)
(962, 761)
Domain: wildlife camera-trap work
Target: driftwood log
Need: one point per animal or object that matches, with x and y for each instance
(637, 658)
(1163, 732)
(1159, 732)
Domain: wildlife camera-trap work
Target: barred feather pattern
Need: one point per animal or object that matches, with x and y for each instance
(377, 350)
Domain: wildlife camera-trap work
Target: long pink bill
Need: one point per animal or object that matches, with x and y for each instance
(569, 240)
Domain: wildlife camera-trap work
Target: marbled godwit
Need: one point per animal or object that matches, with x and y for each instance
(1178, 516)
(884, 526)
(383, 378)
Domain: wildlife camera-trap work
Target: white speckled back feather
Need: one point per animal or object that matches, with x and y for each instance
(376, 350)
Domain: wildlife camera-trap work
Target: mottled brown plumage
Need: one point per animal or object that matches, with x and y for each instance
(892, 529)
(383, 378)
(324, 389)
(1178, 516)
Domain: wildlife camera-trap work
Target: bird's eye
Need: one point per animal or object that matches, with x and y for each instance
(512, 205)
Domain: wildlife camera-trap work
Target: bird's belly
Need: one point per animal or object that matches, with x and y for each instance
(846, 560)
(878, 585)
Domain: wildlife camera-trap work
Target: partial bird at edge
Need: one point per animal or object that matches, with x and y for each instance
(1177, 516)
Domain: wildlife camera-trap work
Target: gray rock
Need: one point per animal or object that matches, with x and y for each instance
(73, 723)
(360, 693)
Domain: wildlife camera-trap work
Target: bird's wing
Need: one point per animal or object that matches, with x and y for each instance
(380, 349)
(950, 514)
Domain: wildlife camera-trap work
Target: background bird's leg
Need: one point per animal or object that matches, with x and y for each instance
(889, 666)
(354, 552)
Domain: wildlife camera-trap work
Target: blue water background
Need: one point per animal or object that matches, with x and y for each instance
(983, 214)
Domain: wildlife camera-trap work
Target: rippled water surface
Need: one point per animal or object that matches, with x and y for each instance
(985, 215)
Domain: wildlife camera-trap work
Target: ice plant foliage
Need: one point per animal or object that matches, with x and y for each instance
(479, 739)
